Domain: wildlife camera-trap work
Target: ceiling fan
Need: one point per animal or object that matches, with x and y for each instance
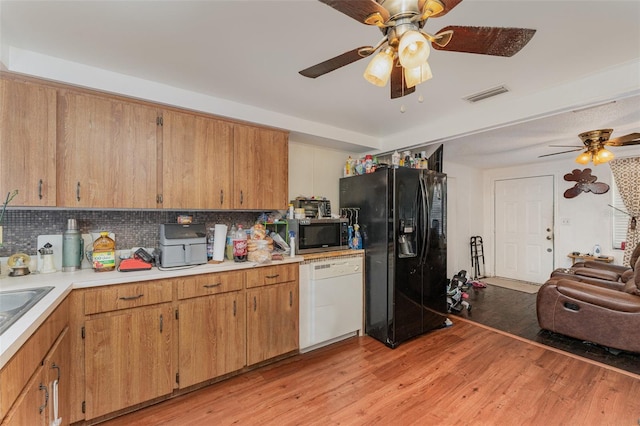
(404, 47)
(594, 146)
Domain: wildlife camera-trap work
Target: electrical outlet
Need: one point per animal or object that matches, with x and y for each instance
(565, 221)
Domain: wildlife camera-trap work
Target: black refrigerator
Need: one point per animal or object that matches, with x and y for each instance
(402, 217)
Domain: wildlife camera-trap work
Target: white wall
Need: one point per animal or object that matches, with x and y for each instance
(579, 223)
(315, 171)
(465, 215)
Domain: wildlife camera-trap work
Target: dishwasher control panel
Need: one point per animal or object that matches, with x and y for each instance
(335, 268)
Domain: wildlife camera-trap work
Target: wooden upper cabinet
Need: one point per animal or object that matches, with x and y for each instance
(107, 152)
(261, 168)
(197, 162)
(28, 142)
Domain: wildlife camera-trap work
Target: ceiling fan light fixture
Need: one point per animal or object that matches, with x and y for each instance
(603, 156)
(430, 8)
(413, 49)
(584, 158)
(417, 75)
(379, 69)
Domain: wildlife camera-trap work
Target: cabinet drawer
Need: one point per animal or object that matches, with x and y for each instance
(268, 275)
(124, 296)
(202, 285)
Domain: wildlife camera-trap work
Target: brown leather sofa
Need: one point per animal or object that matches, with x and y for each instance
(603, 312)
(595, 272)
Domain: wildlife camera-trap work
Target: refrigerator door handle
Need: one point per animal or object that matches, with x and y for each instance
(424, 220)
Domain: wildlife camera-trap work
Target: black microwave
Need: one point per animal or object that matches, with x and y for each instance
(320, 235)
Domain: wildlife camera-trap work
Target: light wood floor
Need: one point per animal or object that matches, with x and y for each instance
(464, 374)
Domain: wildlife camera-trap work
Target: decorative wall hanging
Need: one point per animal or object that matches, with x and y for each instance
(585, 182)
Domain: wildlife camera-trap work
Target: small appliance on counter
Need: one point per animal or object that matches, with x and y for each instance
(313, 208)
(319, 235)
(182, 244)
(47, 264)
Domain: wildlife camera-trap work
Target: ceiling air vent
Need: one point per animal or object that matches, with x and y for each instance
(487, 94)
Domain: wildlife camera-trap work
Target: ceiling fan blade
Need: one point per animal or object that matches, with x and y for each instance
(566, 146)
(360, 10)
(495, 41)
(448, 5)
(630, 139)
(337, 62)
(398, 85)
(561, 152)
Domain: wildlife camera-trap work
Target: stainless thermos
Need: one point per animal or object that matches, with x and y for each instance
(72, 247)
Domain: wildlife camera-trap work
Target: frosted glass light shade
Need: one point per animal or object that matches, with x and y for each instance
(584, 158)
(413, 49)
(417, 75)
(379, 69)
(603, 156)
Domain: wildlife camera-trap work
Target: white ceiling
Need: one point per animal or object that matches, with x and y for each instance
(244, 55)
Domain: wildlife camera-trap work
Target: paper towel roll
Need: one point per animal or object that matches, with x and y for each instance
(219, 240)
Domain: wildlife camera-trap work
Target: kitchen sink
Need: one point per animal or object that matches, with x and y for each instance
(14, 304)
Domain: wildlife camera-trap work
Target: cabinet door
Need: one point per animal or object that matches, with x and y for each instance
(58, 371)
(211, 337)
(128, 359)
(36, 404)
(31, 408)
(107, 153)
(196, 162)
(28, 143)
(261, 168)
(272, 321)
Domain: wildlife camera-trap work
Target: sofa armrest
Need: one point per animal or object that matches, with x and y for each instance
(599, 296)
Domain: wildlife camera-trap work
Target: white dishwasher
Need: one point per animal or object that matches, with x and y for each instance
(331, 300)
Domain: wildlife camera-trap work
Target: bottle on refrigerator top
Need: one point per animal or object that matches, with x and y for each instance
(395, 159)
(368, 163)
(210, 244)
(229, 245)
(104, 253)
(240, 245)
(348, 167)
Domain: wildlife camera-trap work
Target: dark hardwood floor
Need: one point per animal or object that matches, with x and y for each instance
(514, 312)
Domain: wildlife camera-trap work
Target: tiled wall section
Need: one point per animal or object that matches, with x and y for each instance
(131, 228)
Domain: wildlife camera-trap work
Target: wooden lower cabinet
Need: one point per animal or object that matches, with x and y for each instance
(272, 321)
(211, 337)
(128, 358)
(37, 404)
(150, 340)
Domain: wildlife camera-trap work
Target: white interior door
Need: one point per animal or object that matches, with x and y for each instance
(524, 228)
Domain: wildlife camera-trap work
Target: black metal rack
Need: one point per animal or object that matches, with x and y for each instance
(477, 253)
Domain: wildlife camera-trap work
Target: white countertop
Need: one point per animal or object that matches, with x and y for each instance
(63, 282)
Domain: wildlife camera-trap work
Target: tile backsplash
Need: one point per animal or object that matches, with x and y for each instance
(132, 228)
